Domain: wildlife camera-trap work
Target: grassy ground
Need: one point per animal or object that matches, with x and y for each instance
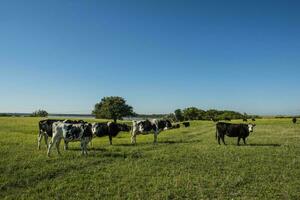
(187, 163)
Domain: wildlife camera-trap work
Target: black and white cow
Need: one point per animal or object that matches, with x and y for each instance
(233, 130)
(147, 126)
(109, 129)
(45, 129)
(70, 132)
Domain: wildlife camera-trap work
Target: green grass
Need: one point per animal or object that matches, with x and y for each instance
(187, 163)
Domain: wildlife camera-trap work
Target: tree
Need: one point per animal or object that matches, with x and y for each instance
(39, 113)
(112, 108)
(191, 113)
(178, 115)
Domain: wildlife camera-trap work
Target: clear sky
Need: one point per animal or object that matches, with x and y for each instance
(64, 56)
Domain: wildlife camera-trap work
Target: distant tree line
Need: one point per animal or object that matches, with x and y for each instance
(193, 113)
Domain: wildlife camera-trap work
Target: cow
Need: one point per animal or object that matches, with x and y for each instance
(45, 129)
(147, 126)
(176, 126)
(253, 119)
(70, 132)
(186, 124)
(245, 120)
(294, 120)
(233, 130)
(109, 129)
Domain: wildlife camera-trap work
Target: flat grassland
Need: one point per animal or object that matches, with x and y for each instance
(187, 163)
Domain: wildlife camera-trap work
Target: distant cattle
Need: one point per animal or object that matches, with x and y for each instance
(69, 133)
(294, 120)
(109, 129)
(233, 130)
(253, 119)
(147, 126)
(245, 120)
(176, 126)
(186, 124)
(45, 129)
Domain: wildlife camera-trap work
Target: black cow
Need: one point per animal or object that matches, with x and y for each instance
(245, 120)
(294, 120)
(109, 129)
(253, 119)
(233, 130)
(186, 124)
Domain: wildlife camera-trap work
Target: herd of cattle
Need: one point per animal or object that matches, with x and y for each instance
(79, 130)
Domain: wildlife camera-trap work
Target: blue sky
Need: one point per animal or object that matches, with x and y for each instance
(64, 56)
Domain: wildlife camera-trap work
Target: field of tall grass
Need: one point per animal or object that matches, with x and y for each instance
(187, 163)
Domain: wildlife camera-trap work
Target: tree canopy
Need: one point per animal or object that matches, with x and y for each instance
(39, 113)
(112, 107)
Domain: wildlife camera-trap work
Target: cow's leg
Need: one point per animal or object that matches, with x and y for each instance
(50, 146)
(83, 145)
(219, 138)
(66, 145)
(40, 137)
(133, 138)
(57, 146)
(46, 139)
(223, 139)
(110, 139)
(244, 139)
(238, 141)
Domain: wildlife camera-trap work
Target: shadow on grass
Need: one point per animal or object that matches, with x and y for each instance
(263, 145)
(89, 149)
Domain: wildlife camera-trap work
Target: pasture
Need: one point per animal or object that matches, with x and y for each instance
(187, 163)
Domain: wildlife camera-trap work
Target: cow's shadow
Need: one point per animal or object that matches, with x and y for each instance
(89, 149)
(262, 145)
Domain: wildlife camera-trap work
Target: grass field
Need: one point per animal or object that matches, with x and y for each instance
(186, 163)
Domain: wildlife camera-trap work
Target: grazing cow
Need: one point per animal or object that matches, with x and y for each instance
(294, 120)
(146, 126)
(253, 119)
(245, 120)
(70, 132)
(186, 124)
(176, 126)
(109, 129)
(233, 130)
(45, 129)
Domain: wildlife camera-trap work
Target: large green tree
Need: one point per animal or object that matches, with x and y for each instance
(191, 113)
(112, 108)
(178, 115)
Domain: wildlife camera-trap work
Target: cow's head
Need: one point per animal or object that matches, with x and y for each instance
(168, 125)
(251, 127)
